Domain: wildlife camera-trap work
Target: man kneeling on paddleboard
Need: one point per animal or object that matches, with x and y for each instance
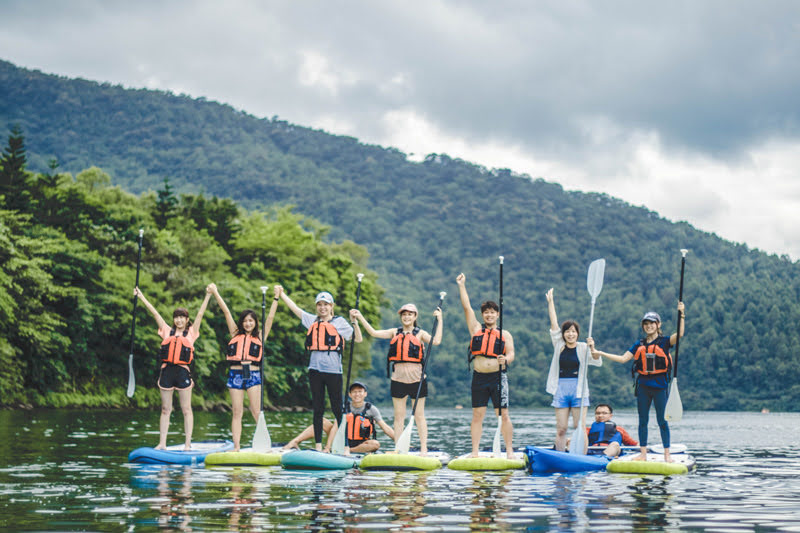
(361, 422)
(607, 434)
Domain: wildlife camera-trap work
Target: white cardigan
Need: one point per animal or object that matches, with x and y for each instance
(583, 355)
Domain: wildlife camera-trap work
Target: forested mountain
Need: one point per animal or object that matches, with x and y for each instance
(423, 223)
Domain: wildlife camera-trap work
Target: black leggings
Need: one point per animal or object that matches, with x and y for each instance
(319, 382)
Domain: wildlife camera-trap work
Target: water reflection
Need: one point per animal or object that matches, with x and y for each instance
(62, 472)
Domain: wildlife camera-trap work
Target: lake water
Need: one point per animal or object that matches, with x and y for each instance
(66, 470)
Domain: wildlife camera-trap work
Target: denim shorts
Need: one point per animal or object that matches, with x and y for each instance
(566, 395)
(235, 380)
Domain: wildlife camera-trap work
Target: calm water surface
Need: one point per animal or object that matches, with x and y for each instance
(66, 470)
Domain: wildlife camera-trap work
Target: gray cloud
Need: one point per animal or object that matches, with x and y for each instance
(577, 83)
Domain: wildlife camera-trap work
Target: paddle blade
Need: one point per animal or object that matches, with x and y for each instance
(403, 444)
(131, 378)
(674, 409)
(338, 440)
(261, 439)
(594, 279)
(496, 449)
(578, 441)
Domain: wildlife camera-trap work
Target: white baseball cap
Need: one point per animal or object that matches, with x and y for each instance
(324, 296)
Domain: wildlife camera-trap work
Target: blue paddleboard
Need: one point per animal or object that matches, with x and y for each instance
(176, 455)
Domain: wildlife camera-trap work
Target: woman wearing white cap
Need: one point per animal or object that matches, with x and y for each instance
(406, 357)
(325, 340)
(652, 365)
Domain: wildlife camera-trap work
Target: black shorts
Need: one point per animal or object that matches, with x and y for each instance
(175, 377)
(401, 390)
(484, 386)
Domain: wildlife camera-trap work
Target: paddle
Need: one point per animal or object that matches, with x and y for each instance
(674, 410)
(594, 283)
(404, 441)
(261, 439)
(131, 377)
(339, 441)
(496, 442)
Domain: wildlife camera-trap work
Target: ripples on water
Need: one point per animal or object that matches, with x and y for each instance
(67, 471)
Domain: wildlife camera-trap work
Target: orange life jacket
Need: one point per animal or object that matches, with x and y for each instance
(405, 348)
(323, 337)
(650, 359)
(360, 427)
(176, 349)
(243, 348)
(487, 343)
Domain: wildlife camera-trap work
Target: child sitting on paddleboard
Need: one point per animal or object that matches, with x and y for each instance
(606, 434)
(361, 422)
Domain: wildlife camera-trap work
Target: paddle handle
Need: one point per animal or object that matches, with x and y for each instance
(502, 367)
(680, 314)
(428, 355)
(131, 377)
(359, 276)
(263, 346)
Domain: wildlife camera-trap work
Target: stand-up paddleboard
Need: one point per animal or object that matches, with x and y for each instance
(314, 460)
(682, 463)
(246, 457)
(404, 461)
(548, 461)
(176, 455)
(487, 461)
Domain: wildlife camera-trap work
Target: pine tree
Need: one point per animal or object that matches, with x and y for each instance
(166, 204)
(12, 171)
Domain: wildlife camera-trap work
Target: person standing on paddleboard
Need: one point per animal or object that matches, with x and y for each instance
(566, 372)
(406, 357)
(245, 354)
(325, 340)
(651, 370)
(490, 351)
(175, 356)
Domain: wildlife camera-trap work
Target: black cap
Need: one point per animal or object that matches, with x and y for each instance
(357, 384)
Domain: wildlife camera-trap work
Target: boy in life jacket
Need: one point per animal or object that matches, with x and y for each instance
(490, 354)
(606, 433)
(361, 422)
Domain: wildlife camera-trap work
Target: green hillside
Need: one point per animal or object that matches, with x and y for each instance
(423, 223)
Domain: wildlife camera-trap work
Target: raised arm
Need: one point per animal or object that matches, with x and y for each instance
(232, 329)
(201, 312)
(551, 310)
(624, 358)
(160, 321)
(355, 315)
(288, 301)
(469, 314)
(437, 339)
(674, 337)
(273, 308)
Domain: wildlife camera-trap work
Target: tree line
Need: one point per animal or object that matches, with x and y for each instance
(424, 222)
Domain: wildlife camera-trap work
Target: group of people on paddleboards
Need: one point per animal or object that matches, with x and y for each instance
(491, 350)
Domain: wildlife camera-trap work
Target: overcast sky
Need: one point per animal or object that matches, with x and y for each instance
(691, 108)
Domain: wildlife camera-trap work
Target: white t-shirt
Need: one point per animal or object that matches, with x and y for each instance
(329, 362)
